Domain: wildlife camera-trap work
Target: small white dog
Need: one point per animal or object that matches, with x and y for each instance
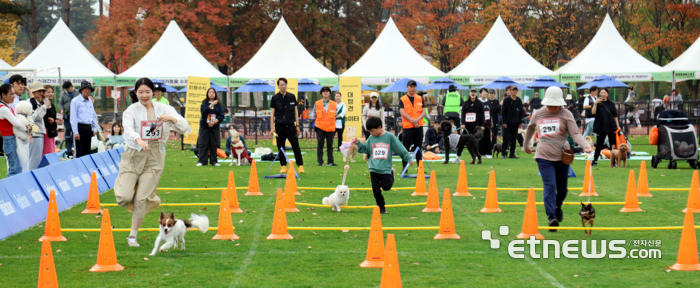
(23, 113)
(173, 230)
(339, 198)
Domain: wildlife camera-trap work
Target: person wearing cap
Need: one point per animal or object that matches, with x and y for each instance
(160, 91)
(412, 113)
(472, 114)
(325, 109)
(39, 104)
(495, 110)
(83, 119)
(485, 142)
(553, 125)
(372, 109)
(340, 117)
(632, 106)
(535, 102)
(285, 118)
(64, 106)
(513, 114)
(452, 103)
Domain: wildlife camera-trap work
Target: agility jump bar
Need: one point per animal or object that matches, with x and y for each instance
(125, 229)
(615, 228)
(361, 228)
(565, 203)
(203, 189)
(363, 207)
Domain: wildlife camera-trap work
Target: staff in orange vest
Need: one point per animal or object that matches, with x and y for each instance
(412, 113)
(325, 125)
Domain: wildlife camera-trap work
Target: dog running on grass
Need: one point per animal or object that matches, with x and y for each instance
(587, 214)
(173, 230)
(457, 141)
(339, 198)
(497, 149)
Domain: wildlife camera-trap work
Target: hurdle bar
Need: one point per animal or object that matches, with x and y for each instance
(402, 188)
(565, 203)
(203, 189)
(615, 228)
(126, 229)
(362, 207)
(361, 228)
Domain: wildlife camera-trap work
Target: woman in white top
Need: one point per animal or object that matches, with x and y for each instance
(8, 122)
(340, 109)
(373, 109)
(146, 123)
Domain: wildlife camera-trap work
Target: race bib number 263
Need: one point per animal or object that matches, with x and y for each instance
(380, 151)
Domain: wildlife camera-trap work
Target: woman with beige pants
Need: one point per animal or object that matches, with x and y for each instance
(147, 125)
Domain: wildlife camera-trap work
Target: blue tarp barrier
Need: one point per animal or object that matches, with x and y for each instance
(113, 168)
(120, 150)
(10, 212)
(49, 159)
(28, 196)
(43, 177)
(116, 157)
(90, 166)
(69, 182)
(4, 231)
(107, 176)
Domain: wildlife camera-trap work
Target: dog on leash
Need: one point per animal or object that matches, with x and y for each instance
(458, 142)
(23, 113)
(587, 214)
(238, 150)
(173, 230)
(339, 198)
(619, 155)
(497, 149)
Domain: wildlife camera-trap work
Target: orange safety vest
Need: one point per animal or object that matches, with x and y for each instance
(325, 120)
(414, 110)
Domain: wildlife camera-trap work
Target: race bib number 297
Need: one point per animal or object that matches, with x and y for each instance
(380, 151)
(548, 127)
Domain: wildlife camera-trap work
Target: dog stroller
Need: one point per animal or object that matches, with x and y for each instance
(676, 140)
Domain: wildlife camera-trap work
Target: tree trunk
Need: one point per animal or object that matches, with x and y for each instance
(693, 87)
(67, 12)
(32, 34)
(101, 5)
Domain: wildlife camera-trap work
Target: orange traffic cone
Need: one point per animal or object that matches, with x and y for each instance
(52, 230)
(279, 222)
(491, 205)
(447, 221)
(433, 204)
(631, 201)
(47, 269)
(420, 181)
(253, 186)
(291, 180)
(232, 194)
(93, 201)
(106, 254)
(694, 195)
(688, 250)
(391, 274)
(530, 221)
(643, 184)
(462, 187)
(588, 184)
(226, 230)
(375, 248)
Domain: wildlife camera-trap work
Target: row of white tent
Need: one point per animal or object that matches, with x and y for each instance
(173, 58)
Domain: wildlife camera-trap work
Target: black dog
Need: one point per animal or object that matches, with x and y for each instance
(468, 140)
(497, 149)
(587, 214)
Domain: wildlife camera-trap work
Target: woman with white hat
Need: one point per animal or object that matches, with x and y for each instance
(554, 125)
(39, 105)
(373, 109)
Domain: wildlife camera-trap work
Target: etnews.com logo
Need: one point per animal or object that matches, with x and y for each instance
(573, 249)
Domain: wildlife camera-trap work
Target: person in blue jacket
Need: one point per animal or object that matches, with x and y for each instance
(209, 138)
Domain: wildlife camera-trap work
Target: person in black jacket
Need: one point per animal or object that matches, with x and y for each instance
(472, 113)
(495, 110)
(485, 142)
(209, 138)
(285, 119)
(605, 124)
(432, 137)
(536, 102)
(513, 113)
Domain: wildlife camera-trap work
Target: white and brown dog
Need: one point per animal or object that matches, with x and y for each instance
(173, 230)
(238, 150)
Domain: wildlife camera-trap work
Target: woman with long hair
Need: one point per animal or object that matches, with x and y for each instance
(209, 138)
(373, 109)
(605, 123)
(50, 122)
(145, 122)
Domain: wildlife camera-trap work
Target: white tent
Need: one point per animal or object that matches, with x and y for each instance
(392, 58)
(282, 55)
(62, 49)
(609, 54)
(4, 64)
(172, 59)
(687, 66)
(499, 54)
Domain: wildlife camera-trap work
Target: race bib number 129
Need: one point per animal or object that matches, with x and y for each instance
(151, 130)
(380, 151)
(548, 127)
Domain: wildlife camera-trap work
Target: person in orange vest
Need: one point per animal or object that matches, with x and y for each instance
(325, 125)
(412, 113)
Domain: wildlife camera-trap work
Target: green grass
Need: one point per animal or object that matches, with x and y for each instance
(331, 258)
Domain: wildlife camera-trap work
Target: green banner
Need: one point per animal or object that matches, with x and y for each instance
(239, 82)
(622, 77)
(481, 80)
(130, 81)
(687, 75)
(96, 81)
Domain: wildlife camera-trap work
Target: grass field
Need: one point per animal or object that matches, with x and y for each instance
(331, 258)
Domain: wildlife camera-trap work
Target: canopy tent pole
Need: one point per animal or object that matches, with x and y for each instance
(115, 92)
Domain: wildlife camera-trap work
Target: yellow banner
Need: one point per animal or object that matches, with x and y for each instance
(196, 92)
(292, 87)
(351, 89)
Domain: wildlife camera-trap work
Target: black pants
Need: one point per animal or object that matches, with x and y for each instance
(413, 136)
(82, 146)
(321, 137)
(339, 132)
(288, 132)
(485, 142)
(600, 142)
(510, 136)
(494, 136)
(381, 182)
(207, 143)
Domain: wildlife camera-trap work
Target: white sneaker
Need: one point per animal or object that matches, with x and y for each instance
(217, 164)
(199, 164)
(457, 161)
(132, 242)
(488, 156)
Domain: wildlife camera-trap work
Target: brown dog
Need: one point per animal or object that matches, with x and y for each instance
(619, 155)
(587, 214)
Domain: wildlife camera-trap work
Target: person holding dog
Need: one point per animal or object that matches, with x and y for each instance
(209, 136)
(8, 121)
(412, 113)
(143, 162)
(554, 125)
(325, 125)
(605, 123)
(83, 120)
